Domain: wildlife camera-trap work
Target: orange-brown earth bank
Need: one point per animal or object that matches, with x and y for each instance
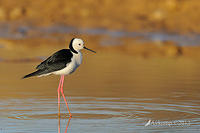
(170, 15)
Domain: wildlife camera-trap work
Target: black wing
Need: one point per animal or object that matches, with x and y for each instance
(57, 61)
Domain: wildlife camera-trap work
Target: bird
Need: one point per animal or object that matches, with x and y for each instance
(63, 62)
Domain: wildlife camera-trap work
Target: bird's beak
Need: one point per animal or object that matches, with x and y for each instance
(89, 49)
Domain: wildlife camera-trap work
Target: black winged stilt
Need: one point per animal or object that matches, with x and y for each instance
(63, 62)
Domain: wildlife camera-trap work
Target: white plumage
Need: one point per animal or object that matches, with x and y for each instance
(72, 66)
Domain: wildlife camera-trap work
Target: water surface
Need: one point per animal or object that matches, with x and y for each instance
(119, 96)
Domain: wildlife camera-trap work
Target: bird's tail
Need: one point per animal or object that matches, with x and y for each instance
(36, 73)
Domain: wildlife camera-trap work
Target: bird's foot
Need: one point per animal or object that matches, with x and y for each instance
(70, 115)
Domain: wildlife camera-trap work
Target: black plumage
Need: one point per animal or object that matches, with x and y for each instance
(57, 61)
(71, 47)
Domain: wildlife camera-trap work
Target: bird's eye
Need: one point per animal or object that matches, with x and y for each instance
(79, 44)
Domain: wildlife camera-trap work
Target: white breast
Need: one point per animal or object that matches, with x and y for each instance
(71, 67)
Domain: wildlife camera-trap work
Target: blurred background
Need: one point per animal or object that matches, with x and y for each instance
(146, 66)
(144, 28)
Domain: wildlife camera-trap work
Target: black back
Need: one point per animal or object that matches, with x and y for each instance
(57, 61)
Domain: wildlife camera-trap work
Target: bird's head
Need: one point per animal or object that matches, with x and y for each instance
(77, 44)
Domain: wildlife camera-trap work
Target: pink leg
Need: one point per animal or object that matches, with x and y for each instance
(64, 95)
(59, 95)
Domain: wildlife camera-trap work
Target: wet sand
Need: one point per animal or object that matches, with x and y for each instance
(110, 92)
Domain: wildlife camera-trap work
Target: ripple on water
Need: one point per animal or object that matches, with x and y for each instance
(63, 116)
(132, 113)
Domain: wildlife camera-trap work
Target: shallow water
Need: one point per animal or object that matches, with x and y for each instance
(96, 115)
(118, 96)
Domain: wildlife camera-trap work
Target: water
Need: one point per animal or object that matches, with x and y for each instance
(96, 115)
(113, 37)
(118, 97)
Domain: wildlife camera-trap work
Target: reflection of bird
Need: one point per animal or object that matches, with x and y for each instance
(66, 128)
(62, 63)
